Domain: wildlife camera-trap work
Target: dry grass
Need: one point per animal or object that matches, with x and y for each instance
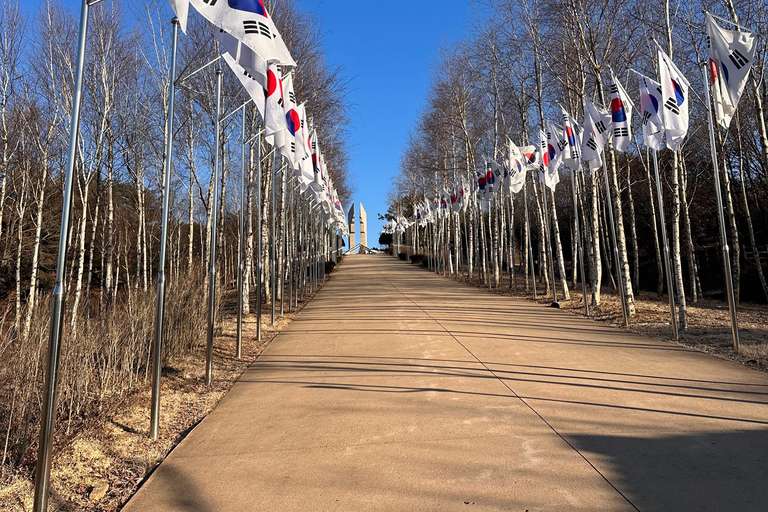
(114, 450)
(709, 321)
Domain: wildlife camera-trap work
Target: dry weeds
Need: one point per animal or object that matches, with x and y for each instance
(114, 450)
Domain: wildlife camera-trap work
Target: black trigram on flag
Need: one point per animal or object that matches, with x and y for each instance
(646, 117)
(738, 59)
(246, 73)
(256, 27)
(314, 147)
(591, 144)
(293, 147)
(620, 131)
(614, 89)
(561, 144)
(600, 127)
(210, 2)
(292, 97)
(671, 105)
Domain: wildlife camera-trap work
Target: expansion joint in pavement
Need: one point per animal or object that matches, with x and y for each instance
(506, 385)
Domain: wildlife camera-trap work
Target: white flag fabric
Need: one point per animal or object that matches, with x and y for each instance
(464, 192)
(556, 146)
(650, 104)
(731, 54)
(181, 10)
(244, 56)
(495, 178)
(571, 152)
(518, 168)
(274, 113)
(249, 22)
(250, 84)
(305, 171)
(597, 124)
(554, 142)
(532, 158)
(674, 92)
(621, 116)
(292, 121)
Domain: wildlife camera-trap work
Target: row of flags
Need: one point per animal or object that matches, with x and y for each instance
(253, 48)
(664, 107)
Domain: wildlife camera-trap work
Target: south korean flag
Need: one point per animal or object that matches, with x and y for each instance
(674, 92)
(621, 115)
(731, 54)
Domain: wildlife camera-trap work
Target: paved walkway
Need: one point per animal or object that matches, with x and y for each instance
(396, 389)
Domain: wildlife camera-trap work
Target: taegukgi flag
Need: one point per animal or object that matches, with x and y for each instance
(731, 54)
(597, 124)
(621, 115)
(249, 22)
(674, 92)
(274, 112)
(650, 105)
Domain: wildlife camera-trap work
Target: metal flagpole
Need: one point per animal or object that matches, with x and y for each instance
(547, 233)
(529, 247)
(579, 243)
(620, 283)
(283, 239)
(157, 355)
(667, 264)
(723, 235)
(259, 247)
(241, 246)
(272, 251)
(48, 413)
(214, 229)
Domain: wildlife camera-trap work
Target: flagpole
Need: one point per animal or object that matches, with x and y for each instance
(241, 245)
(259, 247)
(213, 242)
(619, 282)
(723, 235)
(157, 356)
(529, 248)
(580, 247)
(283, 238)
(272, 251)
(667, 264)
(48, 413)
(548, 233)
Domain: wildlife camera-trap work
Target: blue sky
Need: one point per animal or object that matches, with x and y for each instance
(388, 50)
(388, 53)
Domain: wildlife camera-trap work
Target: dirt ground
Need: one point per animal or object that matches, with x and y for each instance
(709, 321)
(102, 465)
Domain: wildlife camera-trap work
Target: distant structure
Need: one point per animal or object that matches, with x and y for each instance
(363, 235)
(351, 222)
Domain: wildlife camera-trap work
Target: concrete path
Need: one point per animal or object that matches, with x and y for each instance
(396, 389)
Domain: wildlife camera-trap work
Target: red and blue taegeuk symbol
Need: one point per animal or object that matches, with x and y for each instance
(618, 114)
(679, 96)
(569, 134)
(293, 121)
(490, 179)
(254, 6)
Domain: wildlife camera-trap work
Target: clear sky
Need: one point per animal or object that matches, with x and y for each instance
(388, 53)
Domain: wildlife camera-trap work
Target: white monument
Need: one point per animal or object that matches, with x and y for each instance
(363, 225)
(351, 222)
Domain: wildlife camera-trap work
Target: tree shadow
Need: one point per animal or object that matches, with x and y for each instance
(708, 471)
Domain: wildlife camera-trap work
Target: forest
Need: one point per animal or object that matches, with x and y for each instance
(524, 62)
(113, 258)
